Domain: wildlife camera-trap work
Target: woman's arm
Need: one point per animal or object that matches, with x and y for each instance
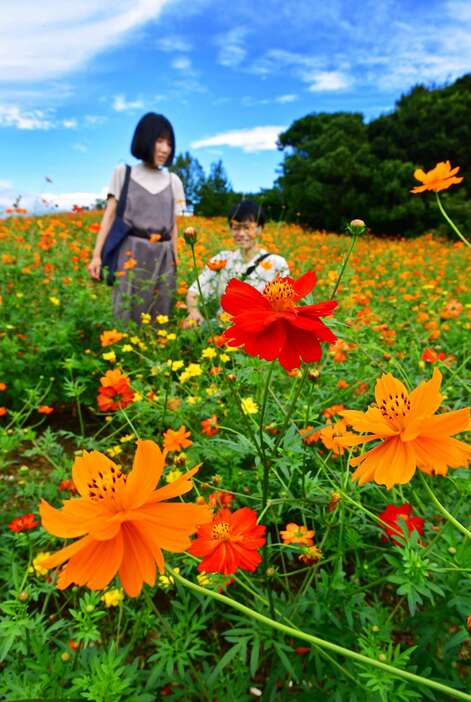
(174, 241)
(109, 216)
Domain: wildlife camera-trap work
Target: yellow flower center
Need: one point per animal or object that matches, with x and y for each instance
(106, 484)
(221, 531)
(395, 406)
(280, 294)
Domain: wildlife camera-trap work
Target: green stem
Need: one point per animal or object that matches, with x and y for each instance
(266, 465)
(442, 509)
(322, 643)
(200, 292)
(450, 221)
(292, 405)
(344, 266)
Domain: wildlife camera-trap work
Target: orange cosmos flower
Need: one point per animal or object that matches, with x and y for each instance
(217, 265)
(176, 440)
(295, 534)
(230, 541)
(410, 434)
(107, 338)
(210, 426)
(3, 411)
(115, 391)
(271, 325)
(129, 264)
(45, 409)
(439, 178)
(123, 521)
(24, 523)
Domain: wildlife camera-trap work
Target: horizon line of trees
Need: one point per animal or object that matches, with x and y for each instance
(336, 167)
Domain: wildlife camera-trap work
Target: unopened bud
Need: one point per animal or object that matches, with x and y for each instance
(23, 596)
(452, 550)
(65, 656)
(89, 608)
(357, 227)
(190, 235)
(270, 572)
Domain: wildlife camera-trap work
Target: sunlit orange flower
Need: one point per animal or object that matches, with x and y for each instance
(431, 356)
(333, 410)
(220, 499)
(3, 386)
(270, 324)
(439, 178)
(45, 409)
(130, 263)
(114, 392)
(410, 435)
(107, 338)
(217, 265)
(3, 411)
(24, 523)
(310, 555)
(177, 440)
(332, 436)
(394, 530)
(310, 435)
(230, 541)
(67, 485)
(210, 426)
(452, 310)
(123, 521)
(296, 534)
(154, 238)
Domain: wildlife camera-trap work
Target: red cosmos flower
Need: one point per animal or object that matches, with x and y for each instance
(270, 325)
(24, 523)
(230, 541)
(210, 426)
(431, 356)
(115, 391)
(45, 409)
(391, 516)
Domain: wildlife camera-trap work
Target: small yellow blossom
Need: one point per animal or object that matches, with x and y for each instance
(225, 317)
(54, 300)
(204, 579)
(113, 598)
(109, 356)
(142, 346)
(126, 348)
(212, 390)
(145, 318)
(224, 358)
(176, 365)
(161, 319)
(249, 406)
(166, 581)
(162, 332)
(137, 396)
(171, 336)
(134, 339)
(194, 369)
(127, 437)
(209, 352)
(173, 475)
(192, 399)
(37, 566)
(114, 451)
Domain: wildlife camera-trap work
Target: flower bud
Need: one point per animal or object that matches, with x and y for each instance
(190, 235)
(357, 227)
(65, 656)
(23, 596)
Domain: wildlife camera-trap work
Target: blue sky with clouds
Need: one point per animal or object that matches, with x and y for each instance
(76, 77)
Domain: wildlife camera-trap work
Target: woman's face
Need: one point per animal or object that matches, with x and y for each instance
(244, 233)
(162, 150)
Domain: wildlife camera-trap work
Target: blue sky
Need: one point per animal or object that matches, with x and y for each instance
(75, 79)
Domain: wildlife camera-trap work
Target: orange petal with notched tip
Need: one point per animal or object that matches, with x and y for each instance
(145, 474)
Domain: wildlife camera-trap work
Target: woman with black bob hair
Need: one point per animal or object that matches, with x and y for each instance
(146, 271)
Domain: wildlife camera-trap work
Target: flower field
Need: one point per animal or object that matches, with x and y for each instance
(272, 505)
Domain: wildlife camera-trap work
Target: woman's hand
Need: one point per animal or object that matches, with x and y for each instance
(94, 267)
(194, 317)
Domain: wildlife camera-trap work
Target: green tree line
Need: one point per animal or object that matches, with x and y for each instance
(336, 166)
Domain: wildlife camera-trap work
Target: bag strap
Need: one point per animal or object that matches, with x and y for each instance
(124, 193)
(254, 265)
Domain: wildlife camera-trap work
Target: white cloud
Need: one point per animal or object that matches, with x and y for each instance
(283, 99)
(93, 120)
(80, 147)
(328, 81)
(231, 47)
(14, 116)
(120, 104)
(5, 184)
(249, 140)
(65, 201)
(181, 63)
(45, 40)
(174, 43)
(69, 123)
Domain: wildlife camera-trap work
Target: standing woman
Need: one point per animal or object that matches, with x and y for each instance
(148, 255)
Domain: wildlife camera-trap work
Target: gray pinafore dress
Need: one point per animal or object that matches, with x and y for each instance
(146, 279)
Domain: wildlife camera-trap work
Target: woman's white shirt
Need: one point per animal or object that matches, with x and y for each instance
(153, 180)
(213, 283)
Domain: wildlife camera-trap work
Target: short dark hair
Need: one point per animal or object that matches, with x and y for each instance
(247, 210)
(150, 128)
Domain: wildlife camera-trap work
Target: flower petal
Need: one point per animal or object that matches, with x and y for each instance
(386, 386)
(146, 471)
(239, 296)
(138, 565)
(176, 488)
(426, 399)
(304, 284)
(445, 424)
(87, 466)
